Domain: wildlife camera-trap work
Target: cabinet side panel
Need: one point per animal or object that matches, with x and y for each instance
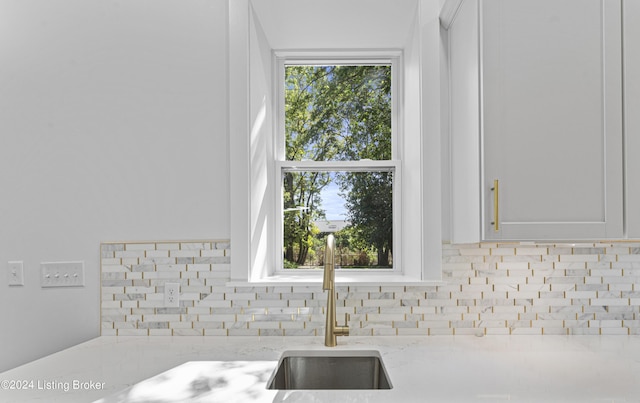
(464, 123)
(632, 114)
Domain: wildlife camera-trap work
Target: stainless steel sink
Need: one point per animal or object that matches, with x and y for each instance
(330, 370)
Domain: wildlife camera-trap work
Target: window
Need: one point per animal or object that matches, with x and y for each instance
(338, 161)
(257, 30)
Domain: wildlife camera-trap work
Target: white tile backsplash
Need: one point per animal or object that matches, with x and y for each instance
(489, 288)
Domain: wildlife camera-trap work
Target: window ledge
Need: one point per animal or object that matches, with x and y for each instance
(342, 279)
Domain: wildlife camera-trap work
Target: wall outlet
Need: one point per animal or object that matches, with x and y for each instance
(16, 273)
(62, 274)
(172, 295)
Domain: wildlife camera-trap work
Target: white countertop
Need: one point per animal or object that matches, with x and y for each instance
(421, 369)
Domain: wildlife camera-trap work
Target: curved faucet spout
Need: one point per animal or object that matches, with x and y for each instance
(332, 330)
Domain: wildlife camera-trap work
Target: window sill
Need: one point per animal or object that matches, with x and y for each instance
(342, 279)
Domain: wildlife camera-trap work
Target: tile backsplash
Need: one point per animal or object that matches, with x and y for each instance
(487, 288)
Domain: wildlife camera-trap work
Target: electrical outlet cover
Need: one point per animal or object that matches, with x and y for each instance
(172, 295)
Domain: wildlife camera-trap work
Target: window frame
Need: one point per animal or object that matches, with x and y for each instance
(251, 124)
(333, 58)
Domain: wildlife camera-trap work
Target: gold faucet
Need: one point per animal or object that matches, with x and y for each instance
(328, 283)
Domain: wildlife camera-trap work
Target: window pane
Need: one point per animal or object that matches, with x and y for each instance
(338, 113)
(356, 206)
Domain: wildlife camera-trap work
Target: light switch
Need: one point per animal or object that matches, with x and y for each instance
(15, 273)
(62, 274)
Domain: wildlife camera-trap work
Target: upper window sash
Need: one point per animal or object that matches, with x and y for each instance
(326, 58)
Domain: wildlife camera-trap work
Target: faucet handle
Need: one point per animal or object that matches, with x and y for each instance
(343, 330)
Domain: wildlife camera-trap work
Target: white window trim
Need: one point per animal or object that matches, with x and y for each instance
(422, 174)
(330, 58)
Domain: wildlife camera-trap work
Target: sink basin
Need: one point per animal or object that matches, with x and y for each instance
(330, 370)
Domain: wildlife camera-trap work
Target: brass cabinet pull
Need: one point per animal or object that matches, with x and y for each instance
(496, 207)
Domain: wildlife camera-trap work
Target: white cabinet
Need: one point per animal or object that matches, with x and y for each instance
(632, 115)
(535, 92)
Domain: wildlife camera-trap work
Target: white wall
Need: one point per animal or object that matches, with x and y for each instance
(113, 123)
(261, 112)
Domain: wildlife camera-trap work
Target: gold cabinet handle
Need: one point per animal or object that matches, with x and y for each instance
(496, 208)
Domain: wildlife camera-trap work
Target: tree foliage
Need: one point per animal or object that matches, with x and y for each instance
(338, 113)
(369, 202)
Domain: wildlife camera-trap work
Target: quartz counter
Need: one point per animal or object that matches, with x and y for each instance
(421, 369)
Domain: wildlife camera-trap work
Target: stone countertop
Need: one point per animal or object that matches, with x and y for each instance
(436, 368)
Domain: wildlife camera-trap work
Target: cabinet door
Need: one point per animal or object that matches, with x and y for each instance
(552, 118)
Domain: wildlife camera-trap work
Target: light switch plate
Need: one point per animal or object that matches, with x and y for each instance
(16, 273)
(62, 274)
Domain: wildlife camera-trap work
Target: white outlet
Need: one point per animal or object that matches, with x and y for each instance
(172, 295)
(16, 273)
(62, 274)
